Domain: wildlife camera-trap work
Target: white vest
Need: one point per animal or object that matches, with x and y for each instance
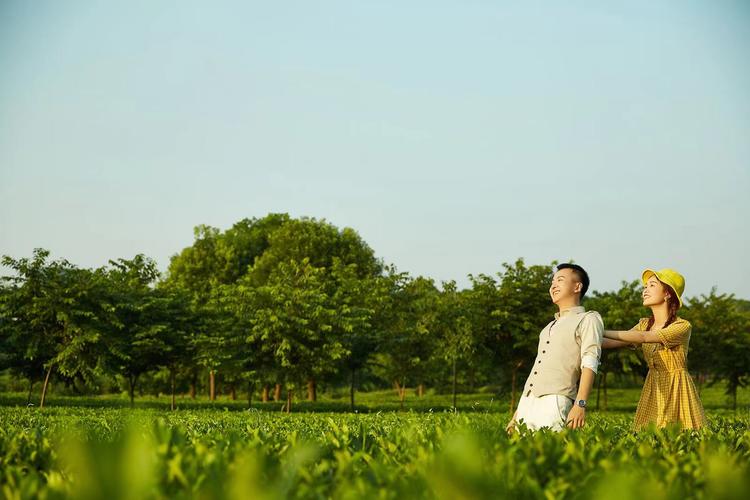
(557, 366)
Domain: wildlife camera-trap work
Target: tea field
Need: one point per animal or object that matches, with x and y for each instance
(118, 453)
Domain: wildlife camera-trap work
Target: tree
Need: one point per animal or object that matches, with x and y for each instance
(721, 336)
(408, 346)
(454, 329)
(214, 260)
(318, 241)
(135, 319)
(19, 352)
(482, 302)
(322, 244)
(58, 316)
(360, 303)
(247, 360)
(294, 317)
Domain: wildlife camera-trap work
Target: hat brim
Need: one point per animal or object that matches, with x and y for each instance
(647, 274)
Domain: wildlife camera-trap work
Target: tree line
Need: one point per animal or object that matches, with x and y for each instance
(278, 305)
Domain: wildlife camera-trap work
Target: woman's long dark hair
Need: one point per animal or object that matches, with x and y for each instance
(672, 305)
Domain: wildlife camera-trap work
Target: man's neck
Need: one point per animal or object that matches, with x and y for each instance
(565, 308)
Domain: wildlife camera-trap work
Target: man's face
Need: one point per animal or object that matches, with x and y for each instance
(564, 286)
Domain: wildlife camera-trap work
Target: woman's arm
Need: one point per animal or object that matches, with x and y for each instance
(614, 344)
(632, 336)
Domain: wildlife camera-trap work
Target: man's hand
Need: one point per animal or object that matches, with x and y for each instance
(512, 424)
(576, 417)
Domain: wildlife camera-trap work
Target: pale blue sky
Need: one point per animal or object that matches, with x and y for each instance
(453, 135)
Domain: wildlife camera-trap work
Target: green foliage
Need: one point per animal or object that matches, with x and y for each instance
(100, 453)
(721, 333)
(299, 301)
(295, 318)
(318, 241)
(55, 316)
(150, 326)
(407, 344)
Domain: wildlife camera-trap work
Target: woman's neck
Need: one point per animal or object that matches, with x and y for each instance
(661, 315)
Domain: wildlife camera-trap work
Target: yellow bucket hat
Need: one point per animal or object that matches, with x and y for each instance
(668, 276)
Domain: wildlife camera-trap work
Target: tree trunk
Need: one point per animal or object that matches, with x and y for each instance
(211, 385)
(420, 390)
(31, 389)
(604, 387)
(598, 390)
(44, 387)
(132, 380)
(232, 393)
(193, 384)
(277, 393)
(311, 390)
(250, 394)
(289, 400)
(264, 394)
(514, 389)
(454, 383)
(172, 380)
(402, 394)
(351, 391)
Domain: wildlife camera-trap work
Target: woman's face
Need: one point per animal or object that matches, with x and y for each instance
(654, 292)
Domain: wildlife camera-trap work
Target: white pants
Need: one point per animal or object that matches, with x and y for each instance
(547, 411)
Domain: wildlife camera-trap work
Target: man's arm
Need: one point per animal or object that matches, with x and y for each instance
(577, 415)
(590, 333)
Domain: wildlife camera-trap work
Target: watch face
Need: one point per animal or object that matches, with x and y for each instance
(582, 403)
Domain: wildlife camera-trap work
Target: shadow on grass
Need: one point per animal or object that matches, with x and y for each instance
(618, 401)
(421, 406)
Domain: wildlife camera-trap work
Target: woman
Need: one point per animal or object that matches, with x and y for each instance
(669, 395)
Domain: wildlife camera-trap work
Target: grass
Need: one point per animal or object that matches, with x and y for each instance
(98, 447)
(618, 401)
(81, 452)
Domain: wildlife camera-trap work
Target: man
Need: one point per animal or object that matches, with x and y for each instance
(558, 387)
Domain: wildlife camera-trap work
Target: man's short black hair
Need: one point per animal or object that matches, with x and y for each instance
(583, 276)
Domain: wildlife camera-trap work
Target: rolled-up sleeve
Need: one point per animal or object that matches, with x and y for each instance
(590, 333)
(675, 334)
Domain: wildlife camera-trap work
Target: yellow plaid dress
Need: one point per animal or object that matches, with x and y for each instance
(669, 394)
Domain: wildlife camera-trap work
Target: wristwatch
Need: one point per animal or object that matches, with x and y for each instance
(581, 403)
